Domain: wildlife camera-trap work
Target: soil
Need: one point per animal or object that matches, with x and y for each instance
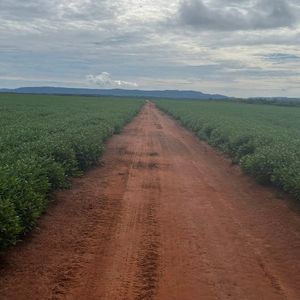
(166, 217)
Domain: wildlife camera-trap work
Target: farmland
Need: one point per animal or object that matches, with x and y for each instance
(263, 139)
(164, 217)
(45, 140)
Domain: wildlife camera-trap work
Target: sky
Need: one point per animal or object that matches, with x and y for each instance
(241, 48)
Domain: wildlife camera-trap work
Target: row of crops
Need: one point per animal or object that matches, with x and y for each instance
(45, 140)
(263, 139)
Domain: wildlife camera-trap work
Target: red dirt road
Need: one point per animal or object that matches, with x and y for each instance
(165, 218)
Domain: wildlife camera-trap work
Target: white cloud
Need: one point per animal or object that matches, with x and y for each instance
(105, 80)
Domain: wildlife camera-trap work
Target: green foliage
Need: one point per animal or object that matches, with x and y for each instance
(264, 140)
(44, 140)
(10, 226)
(270, 101)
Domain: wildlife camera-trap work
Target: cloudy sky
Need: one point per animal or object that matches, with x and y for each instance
(234, 47)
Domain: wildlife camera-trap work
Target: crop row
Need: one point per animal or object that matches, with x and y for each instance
(45, 140)
(263, 139)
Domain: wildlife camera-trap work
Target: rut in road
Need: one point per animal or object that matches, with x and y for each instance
(165, 218)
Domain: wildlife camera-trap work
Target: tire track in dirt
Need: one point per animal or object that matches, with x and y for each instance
(166, 217)
(148, 260)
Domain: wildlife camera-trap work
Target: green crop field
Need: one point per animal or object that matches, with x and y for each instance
(263, 139)
(44, 140)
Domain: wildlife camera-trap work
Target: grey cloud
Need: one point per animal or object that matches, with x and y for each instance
(88, 10)
(56, 9)
(45, 42)
(242, 15)
(260, 73)
(20, 9)
(281, 57)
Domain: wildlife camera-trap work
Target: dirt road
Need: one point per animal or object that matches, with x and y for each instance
(165, 218)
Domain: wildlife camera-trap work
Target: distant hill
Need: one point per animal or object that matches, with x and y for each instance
(176, 94)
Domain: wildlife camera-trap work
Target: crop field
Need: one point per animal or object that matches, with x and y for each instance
(44, 140)
(263, 139)
(159, 197)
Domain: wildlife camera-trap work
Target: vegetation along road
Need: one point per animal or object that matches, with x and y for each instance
(165, 217)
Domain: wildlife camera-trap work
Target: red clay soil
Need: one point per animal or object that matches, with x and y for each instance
(166, 218)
